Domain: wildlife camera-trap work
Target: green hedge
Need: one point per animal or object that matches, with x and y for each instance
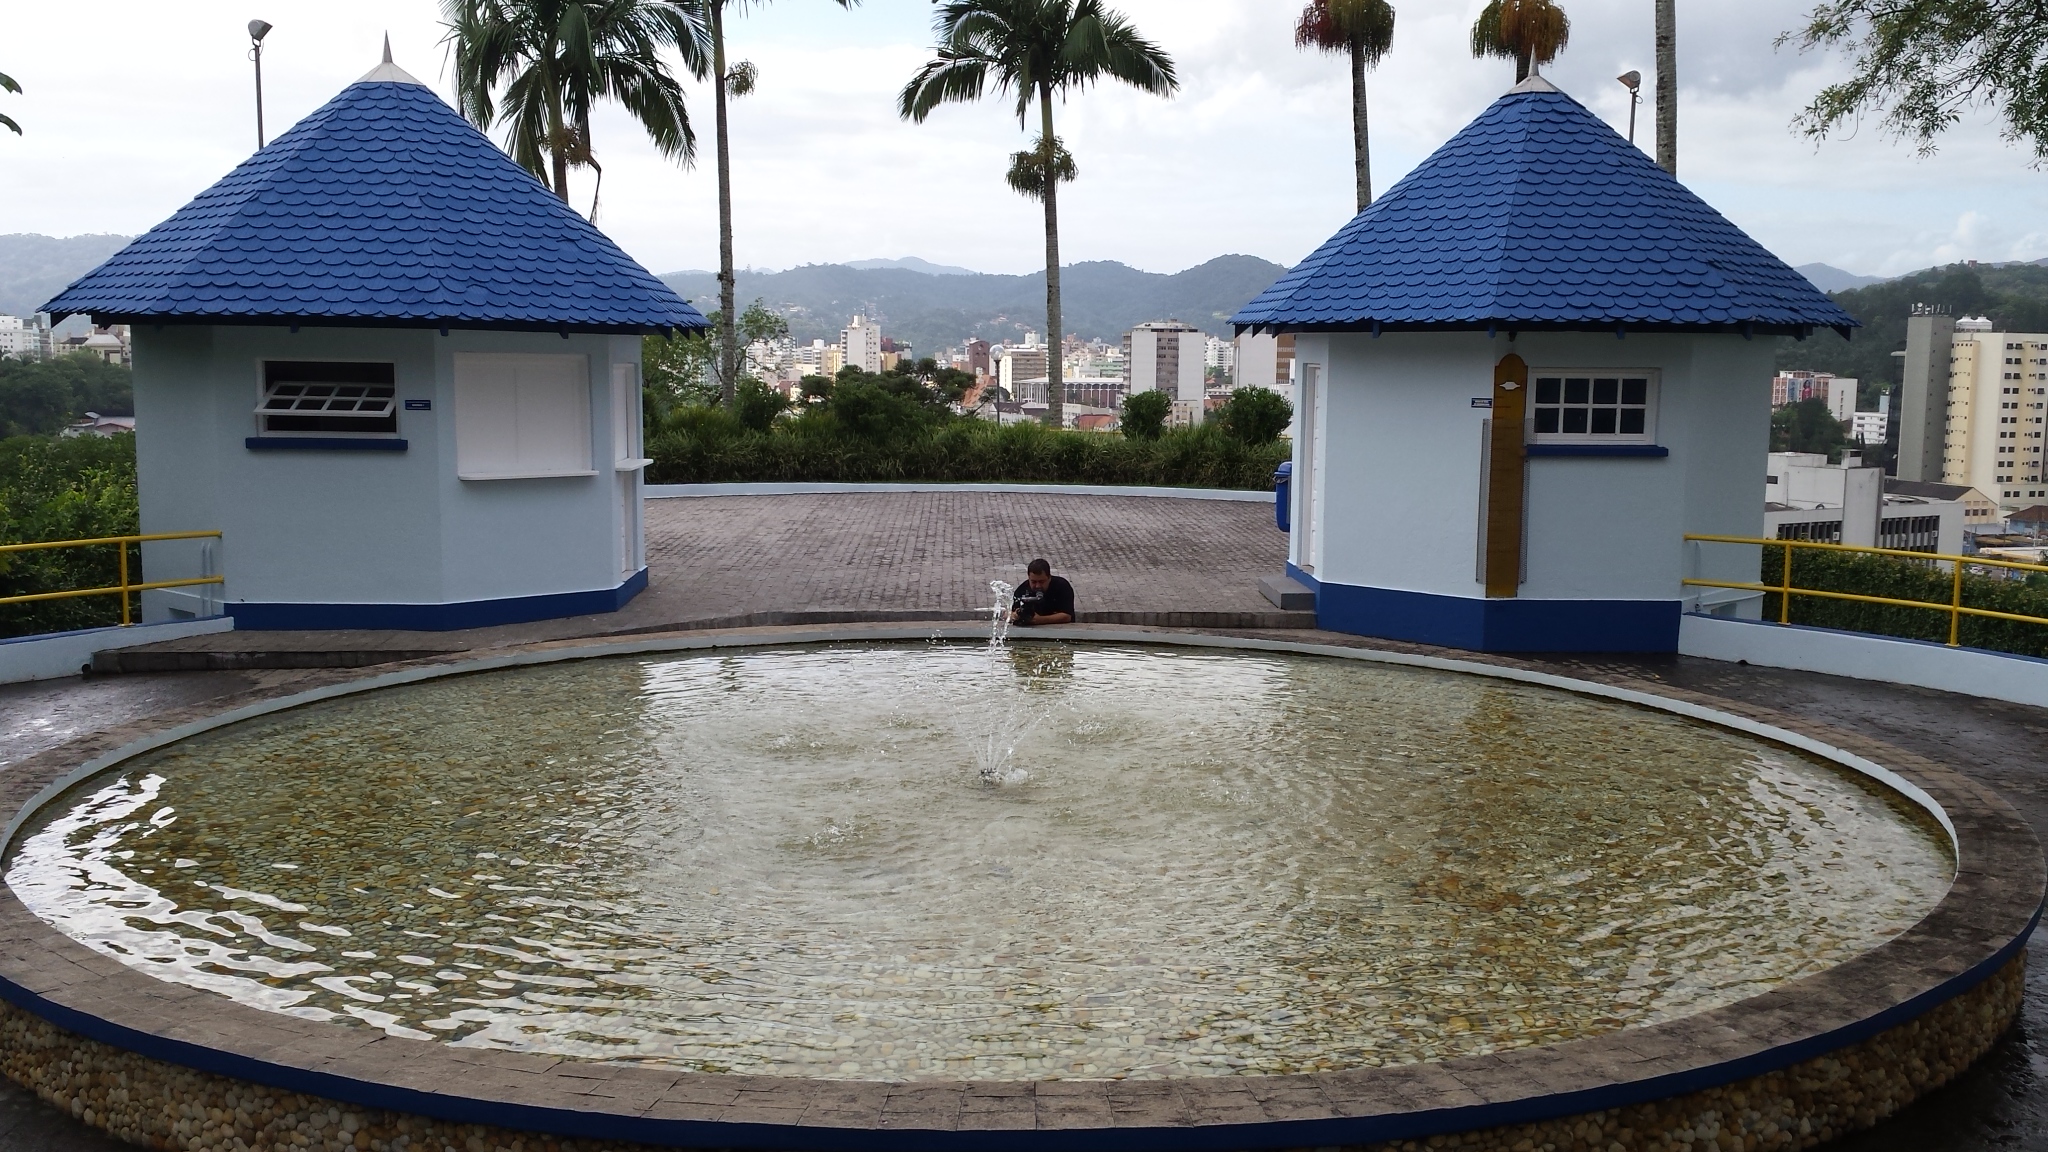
(52, 489)
(1902, 579)
(707, 450)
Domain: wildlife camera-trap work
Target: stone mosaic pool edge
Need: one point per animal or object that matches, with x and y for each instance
(1959, 955)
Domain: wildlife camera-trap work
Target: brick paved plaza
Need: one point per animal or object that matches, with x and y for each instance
(724, 558)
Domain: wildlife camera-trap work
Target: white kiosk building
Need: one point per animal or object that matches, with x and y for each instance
(1524, 376)
(399, 375)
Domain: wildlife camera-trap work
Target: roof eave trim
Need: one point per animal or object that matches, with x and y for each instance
(450, 323)
(1600, 327)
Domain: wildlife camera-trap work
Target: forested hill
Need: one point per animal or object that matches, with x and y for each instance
(2014, 296)
(1100, 300)
(34, 268)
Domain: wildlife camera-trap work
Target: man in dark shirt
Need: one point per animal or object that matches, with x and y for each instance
(1043, 598)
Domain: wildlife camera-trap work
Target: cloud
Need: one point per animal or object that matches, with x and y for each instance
(1253, 155)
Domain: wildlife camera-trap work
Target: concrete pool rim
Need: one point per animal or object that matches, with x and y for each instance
(1977, 929)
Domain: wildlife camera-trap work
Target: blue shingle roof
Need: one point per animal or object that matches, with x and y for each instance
(1538, 215)
(383, 208)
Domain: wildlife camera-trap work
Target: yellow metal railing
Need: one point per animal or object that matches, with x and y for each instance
(125, 588)
(1955, 607)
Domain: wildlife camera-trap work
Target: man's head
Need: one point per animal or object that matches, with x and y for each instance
(1038, 574)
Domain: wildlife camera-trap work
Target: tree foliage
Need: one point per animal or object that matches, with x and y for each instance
(64, 489)
(40, 397)
(1923, 63)
(1364, 31)
(1144, 414)
(1807, 426)
(1529, 32)
(7, 84)
(541, 66)
(1255, 415)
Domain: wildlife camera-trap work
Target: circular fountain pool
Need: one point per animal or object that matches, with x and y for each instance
(933, 863)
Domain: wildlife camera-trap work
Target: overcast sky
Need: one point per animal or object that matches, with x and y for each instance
(134, 106)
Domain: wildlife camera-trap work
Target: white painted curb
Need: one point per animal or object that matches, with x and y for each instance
(60, 654)
(1968, 671)
(678, 491)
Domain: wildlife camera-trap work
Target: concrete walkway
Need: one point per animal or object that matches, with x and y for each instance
(747, 557)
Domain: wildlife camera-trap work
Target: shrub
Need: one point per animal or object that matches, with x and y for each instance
(1255, 415)
(1900, 579)
(755, 405)
(704, 447)
(1144, 414)
(55, 489)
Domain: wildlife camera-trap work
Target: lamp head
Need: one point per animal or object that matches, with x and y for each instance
(1631, 79)
(258, 29)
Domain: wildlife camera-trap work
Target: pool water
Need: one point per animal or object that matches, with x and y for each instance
(940, 862)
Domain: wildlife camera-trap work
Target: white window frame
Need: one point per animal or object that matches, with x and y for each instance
(627, 453)
(494, 408)
(265, 398)
(1648, 435)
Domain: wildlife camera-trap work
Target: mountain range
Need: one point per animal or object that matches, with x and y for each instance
(1100, 300)
(34, 268)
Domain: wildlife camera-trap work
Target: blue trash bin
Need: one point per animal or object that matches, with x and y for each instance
(1283, 485)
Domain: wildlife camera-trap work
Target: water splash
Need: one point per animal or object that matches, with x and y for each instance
(999, 615)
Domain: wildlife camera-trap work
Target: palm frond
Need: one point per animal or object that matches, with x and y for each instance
(8, 123)
(7, 83)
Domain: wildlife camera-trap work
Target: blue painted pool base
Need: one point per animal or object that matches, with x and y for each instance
(1476, 624)
(250, 617)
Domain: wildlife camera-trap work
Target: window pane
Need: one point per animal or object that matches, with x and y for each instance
(1635, 391)
(1577, 389)
(1606, 391)
(1546, 420)
(1632, 421)
(1575, 420)
(1547, 390)
(1603, 421)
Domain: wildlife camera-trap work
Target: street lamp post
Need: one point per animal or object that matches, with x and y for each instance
(1633, 81)
(258, 29)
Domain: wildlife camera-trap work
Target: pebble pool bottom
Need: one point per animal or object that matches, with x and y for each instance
(939, 862)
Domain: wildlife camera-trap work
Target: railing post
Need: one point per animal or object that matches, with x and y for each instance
(1955, 608)
(1785, 593)
(123, 546)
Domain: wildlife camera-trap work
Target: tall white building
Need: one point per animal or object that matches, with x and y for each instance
(862, 341)
(1220, 354)
(1167, 355)
(24, 338)
(1997, 413)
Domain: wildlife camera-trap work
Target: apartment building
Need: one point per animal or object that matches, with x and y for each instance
(1167, 355)
(861, 342)
(1997, 413)
(1838, 391)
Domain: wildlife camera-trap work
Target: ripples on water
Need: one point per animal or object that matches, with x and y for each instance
(799, 862)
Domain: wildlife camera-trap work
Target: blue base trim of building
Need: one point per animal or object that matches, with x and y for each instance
(435, 617)
(323, 444)
(1481, 625)
(1303, 578)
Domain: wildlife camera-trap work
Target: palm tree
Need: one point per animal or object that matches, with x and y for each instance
(1363, 30)
(728, 80)
(7, 84)
(1035, 50)
(1667, 87)
(1529, 32)
(555, 59)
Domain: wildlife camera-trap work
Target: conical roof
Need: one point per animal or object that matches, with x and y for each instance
(1539, 216)
(384, 208)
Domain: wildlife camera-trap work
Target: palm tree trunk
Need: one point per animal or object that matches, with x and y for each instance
(1360, 137)
(558, 144)
(728, 339)
(1522, 58)
(1055, 371)
(1667, 86)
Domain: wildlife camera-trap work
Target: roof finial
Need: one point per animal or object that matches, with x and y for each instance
(387, 47)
